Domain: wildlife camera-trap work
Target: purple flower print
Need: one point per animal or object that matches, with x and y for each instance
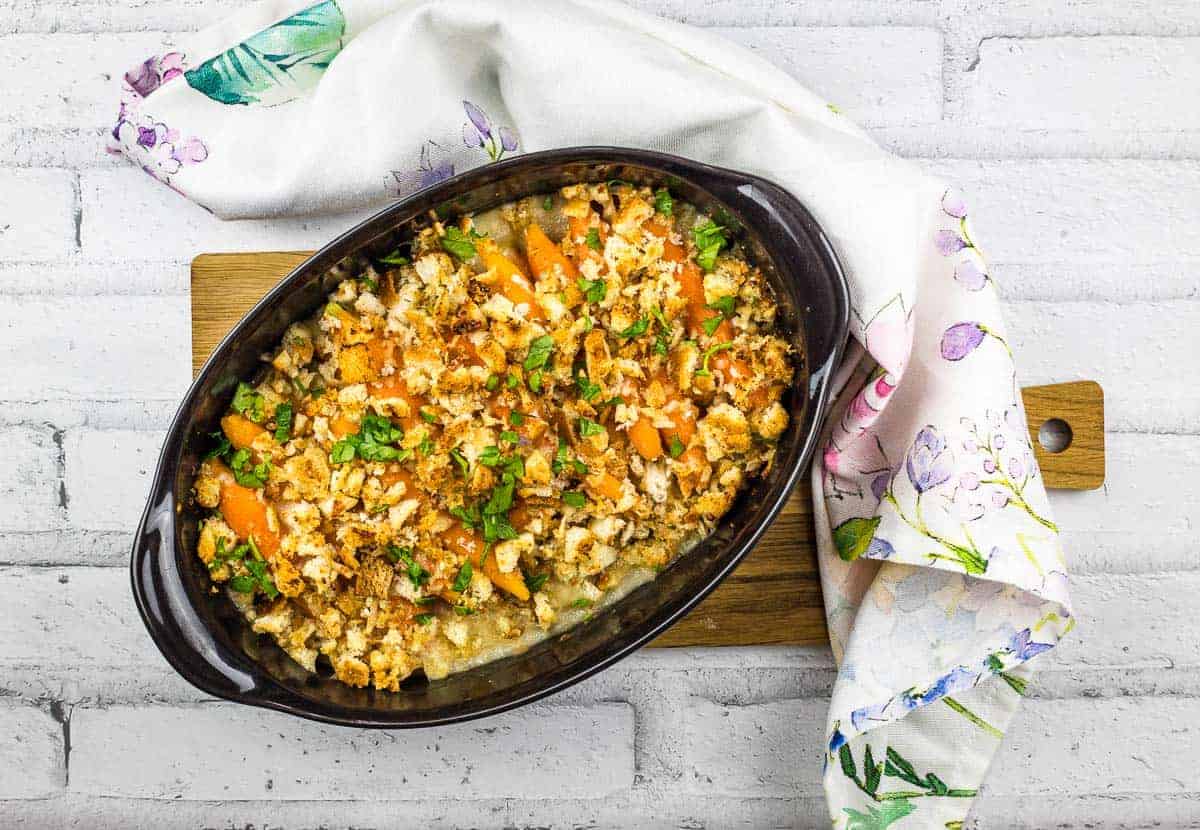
(953, 205)
(1023, 648)
(949, 242)
(971, 271)
(479, 132)
(961, 339)
(955, 681)
(429, 172)
(879, 549)
(154, 72)
(879, 485)
(159, 151)
(928, 462)
(971, 275)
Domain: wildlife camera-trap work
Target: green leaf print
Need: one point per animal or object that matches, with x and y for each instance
(877, 818)
(853, 536)
(276, 65)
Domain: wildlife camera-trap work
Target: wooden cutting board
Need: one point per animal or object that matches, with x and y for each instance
(774, 597)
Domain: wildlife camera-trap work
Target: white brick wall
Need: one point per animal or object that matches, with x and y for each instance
(1071, 127)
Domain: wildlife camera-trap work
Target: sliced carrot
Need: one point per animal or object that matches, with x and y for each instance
(341, 426)
(683, 415)
(544, 256)
(646, 439)
(396, 474)
(240, 431)
(691, 287)
(606, 485)
(462, 350)
(381, 351)
(393, 386)
(510, 281)
(245, 512)
(470, 544)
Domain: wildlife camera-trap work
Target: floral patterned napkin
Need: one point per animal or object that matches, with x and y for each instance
(940, 562)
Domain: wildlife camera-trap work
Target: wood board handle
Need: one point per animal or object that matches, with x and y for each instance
(1066, 423)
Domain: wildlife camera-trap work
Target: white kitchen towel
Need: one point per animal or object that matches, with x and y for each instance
(940, 563)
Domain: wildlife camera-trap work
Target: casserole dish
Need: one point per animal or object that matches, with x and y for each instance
(203, 637)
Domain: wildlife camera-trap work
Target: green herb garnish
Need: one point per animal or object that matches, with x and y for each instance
(534, 582)
(283, 423)
(708, 353)
(636, 330)
(588, 427)
(423, 619)
(574, 499)
(428, 417)
(461, 461)
(593, 239)
(246, 473)
(594, 291)
(493, 383)
(540, 350)
(710, 240)
(463, 579)
(663, 203)
(582, 603)
(676, 447)
(587, 390)
(458, 243)
(247, 402)
(548, 203)
(535, 381)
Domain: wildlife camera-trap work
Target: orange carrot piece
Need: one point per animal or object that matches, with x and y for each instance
(470, 544)
(683, 415)
(382, 351)
(544, 256)
(646, 439)
(341, 426)
(245, 512)
(393, 386)
(240, 431)
(605, 484)
(511, 282)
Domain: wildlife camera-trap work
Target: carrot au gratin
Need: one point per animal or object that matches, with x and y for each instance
(490, 432)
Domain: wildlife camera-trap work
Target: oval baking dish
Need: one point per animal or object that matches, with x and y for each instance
(210, 645)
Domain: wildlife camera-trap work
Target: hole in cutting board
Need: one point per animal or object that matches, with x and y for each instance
(1055, 435)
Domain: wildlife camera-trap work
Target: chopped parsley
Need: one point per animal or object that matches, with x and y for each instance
(540, 350)
(246, 473)
(463, 579)
(574, 499)
(663, 203)
(394, 258)
(582, 603)
(593, 290)
(534, 582)
(247, 402)
(535, 381)
(461, 461)
(593, 239)
(512, 381)
(563, 459)
(676, 447)
(403, 556)
(708, 353)
(490, 457)
(588, 428)
(724, 308)
(548, 203)
(493, 383)
(426, 445)
(510, 436)
(516, 418)
(428, 417)
(458, 243)
(283, 423)
(222, 449)
(373, 442)
(423, 619)
(587, 390)
(463, 611)
(710, 240)
(636, 330)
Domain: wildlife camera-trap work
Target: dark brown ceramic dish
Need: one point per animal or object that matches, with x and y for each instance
(210, 645)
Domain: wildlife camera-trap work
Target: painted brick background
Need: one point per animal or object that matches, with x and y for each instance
(1072, 126)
